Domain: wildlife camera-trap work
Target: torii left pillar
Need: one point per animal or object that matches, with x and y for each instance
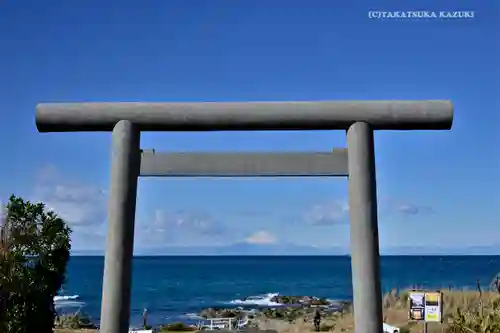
(125, 168)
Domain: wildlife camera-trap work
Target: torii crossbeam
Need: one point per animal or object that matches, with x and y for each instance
(358, 118)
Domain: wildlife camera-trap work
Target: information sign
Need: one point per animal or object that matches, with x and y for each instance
(433, 307)
(426, 306)
(417, 306)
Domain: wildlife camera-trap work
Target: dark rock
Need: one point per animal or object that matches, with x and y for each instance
(495, 284)
(291, 313)
(285, 313)
(177, 327)
(222, 313)
(248, 330)
(304, 300)
(293, 307)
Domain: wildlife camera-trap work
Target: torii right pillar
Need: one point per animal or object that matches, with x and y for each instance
(364, 229)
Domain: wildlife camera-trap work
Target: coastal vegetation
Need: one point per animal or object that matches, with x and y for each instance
(34, 250)
(465, 311)
(73, 321)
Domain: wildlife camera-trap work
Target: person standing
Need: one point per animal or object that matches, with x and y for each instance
(145, 318)
(317, 319)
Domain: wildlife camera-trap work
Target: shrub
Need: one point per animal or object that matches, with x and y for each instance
(176, 327)
(327, 327)
(484, 318)
(405, 329)
(34, 251)
(73, 321)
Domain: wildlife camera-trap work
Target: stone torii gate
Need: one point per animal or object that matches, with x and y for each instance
(128, 162)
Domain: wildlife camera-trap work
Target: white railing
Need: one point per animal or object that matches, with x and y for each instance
(140, 331)
(223, 323)
(218, 323)
(390, 329)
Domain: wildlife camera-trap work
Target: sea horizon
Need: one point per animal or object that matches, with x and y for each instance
(174, 287)
(288, 255)
(292, 249)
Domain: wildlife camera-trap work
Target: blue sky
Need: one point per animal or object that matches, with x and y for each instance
(435, 188)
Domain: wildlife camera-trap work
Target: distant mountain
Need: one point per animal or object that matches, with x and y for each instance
(242, 249)
(87, 252)
(236, 249)
(441, 250)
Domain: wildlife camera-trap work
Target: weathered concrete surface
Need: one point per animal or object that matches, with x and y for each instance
(246, 116)
(359, 118)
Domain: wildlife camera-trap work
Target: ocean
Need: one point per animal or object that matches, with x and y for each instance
(175, 288)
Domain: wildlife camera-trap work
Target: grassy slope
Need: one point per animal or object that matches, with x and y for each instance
(396, 313)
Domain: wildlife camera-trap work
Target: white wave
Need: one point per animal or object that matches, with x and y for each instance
(191, 316)
(69, 305)
(335, 302)
(259, 300)
(59, 298)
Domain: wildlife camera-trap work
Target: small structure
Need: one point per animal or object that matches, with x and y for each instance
(358, 118)
(223, 324)
(389, 328)
(217, 324)
(426, 307)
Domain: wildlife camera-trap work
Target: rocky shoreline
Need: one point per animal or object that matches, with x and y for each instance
(287, 308)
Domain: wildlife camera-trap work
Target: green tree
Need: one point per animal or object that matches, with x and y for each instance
(34, 251)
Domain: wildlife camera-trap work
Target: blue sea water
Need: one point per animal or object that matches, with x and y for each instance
(171, 288)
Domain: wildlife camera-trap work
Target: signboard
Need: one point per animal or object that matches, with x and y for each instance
(426, 306)
(433, 307)
(417, 306)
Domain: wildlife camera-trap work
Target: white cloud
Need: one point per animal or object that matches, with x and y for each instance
(76, 202)
(337, 211)
(411, 209)
(261, 237)
(182, 227)
(330, 213)
(82, 206)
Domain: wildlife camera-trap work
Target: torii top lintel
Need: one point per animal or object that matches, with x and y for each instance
(246, 116)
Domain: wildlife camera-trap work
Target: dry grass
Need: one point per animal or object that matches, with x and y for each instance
(83, 330)
(395, 307)
(80, 330)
